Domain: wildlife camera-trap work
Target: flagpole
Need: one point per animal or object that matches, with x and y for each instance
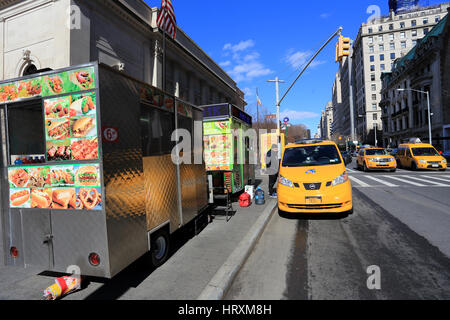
(257, 109)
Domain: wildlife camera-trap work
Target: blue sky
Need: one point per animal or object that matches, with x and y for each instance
(257, 40)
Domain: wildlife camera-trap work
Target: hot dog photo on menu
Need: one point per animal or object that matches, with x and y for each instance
(19, 198)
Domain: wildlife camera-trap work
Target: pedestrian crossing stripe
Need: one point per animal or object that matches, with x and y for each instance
(398, 181)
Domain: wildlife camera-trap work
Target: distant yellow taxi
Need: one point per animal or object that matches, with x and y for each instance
(375, 159)
(416, 156)
(313, 180)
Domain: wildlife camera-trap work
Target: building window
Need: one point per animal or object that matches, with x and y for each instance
(402, 25)
(402, 35)
(375, 117)
(437, 19)
(370, 39)
(372, 58)
(391, 26)
(374, 87)
(413, 23)
(425, 21)
(370, 30)
(382, 67)
(380, 28)
(391, 37)
(392, 46)
(374, 97)
(381, 57)
(381, 47)
(393, 55)
(371, 49)
(414, 33)
(403, 44)
(372, 77)
(372, 67)
(380, 38)
(374, 107)
(425, 31)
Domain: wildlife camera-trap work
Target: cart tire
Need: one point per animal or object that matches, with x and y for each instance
(160, 246)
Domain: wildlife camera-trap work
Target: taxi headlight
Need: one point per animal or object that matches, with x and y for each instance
(444, 161)
(285, 182)
(343, 178)
(422, 161)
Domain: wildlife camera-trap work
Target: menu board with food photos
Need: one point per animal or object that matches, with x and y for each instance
(71, 128)
(58, 187)
(217, 152)
(49, 85)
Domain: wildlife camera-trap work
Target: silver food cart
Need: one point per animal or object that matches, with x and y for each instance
(87, 178)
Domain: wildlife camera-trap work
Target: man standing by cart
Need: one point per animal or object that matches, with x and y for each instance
(273, 166)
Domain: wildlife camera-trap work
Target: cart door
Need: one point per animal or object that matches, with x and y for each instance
(37, 238)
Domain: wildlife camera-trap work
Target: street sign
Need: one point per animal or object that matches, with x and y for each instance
(271, 116)
(286, 120)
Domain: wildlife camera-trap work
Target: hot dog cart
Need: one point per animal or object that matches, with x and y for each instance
(87, 175)
(228, 147)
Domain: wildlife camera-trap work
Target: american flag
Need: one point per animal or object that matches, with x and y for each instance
(166, 18)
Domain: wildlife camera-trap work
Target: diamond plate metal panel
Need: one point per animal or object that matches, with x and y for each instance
(188, 192)
(123, 171)
(161, 192)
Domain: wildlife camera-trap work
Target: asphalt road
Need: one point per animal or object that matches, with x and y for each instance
(400, 225)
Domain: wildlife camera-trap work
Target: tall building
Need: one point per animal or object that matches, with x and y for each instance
(326, 122)
(342, 99)
(402, 5)
(424, 69)
(378, 44)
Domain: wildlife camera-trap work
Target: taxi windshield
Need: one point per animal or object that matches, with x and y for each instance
(376, 152)
(311, 156)
(420, 152)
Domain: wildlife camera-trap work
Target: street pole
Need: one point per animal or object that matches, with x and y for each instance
(429, 118)
(350, 80)
(376, 128)
(277, 94)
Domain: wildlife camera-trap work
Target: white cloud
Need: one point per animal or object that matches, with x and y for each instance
(300, 58)
(241, 46)
(245, 64)
(295, 115)
(248, 92)
(325, 15)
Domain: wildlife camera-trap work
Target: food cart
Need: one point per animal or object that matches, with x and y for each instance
(87, 175)
(228, 147)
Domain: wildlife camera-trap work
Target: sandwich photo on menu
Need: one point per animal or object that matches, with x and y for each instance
(41, 198)
(87, 176)
(57, 129)
(62, 198)
(83, 127)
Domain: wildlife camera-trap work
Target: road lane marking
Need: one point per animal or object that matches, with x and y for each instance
(435, 178)
(362, 184)
(428, 181)
(406, 181)
(382, 182)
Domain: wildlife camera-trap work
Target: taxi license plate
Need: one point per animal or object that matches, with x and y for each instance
(435, 166)
(313, 200)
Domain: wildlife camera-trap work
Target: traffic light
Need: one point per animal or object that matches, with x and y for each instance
(342, 48)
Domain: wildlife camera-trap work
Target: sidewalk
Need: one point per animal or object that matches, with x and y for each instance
(214, 255)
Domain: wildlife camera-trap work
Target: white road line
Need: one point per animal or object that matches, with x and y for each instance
(432, 182)
(406, 181)
(362, 184)
(435, 178)
(350, 170)
(382, 182)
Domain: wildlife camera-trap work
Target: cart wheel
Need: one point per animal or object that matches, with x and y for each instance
(160, 248)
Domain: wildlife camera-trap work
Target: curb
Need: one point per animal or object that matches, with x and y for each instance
(224, 277)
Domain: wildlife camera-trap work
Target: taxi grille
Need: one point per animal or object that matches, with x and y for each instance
(312, 186)
(315, 206)
(434, 162)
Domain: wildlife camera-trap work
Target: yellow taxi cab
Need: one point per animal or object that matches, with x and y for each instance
(313, 180)
(375, 159)
(419, 155)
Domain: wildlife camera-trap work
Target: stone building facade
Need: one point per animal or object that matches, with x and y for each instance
(120, 33)
(424, 68)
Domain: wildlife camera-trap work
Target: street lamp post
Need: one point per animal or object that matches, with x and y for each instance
(429, 110)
